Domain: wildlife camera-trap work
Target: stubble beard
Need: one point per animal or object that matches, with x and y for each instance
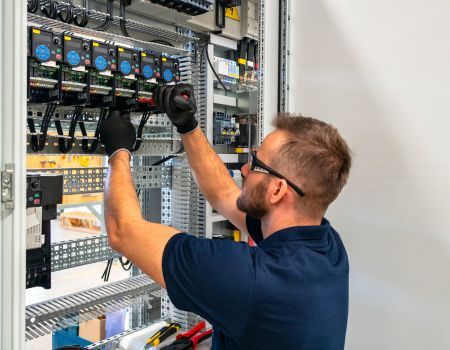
(252, 202)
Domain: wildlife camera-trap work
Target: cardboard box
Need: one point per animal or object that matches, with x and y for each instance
(93, 330)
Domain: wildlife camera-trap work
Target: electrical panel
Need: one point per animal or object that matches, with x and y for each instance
(44, 193)
(82, 63)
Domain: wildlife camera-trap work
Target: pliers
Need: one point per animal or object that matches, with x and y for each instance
(190, 339)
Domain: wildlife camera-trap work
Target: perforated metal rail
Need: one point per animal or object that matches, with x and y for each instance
(78, 252)
(67, 311)
(91, 180)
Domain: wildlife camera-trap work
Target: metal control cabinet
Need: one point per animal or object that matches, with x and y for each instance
(174, 53)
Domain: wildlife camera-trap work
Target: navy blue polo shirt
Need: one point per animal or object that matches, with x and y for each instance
(289, 292)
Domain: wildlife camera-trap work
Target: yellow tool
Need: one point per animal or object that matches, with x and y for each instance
(164, 333)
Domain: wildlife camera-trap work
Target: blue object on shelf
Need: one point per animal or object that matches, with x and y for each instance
(67, 337)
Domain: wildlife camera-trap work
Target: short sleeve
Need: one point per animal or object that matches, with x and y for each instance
(254, 229)
(211, 278)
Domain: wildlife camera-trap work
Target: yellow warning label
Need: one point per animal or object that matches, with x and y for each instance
(36, 31)
(233, 13)
(67, 38)
(120, 49)
(95, 44)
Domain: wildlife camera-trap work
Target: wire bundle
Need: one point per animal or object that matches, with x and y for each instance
(32, 6)
(108, 18)
(38, 143)
(85, 142)
(66, 146)
(144, 120)
(81, 14)
(123, 21)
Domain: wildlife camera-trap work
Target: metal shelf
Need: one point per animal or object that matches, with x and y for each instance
(225, 100)
(125, 41)
(60, 313)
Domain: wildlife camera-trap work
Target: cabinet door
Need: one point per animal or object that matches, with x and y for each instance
(12, 157)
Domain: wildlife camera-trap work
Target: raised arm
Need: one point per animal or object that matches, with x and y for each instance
(140, 241)
(210, 173)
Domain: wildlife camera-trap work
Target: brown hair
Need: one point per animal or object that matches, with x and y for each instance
(316, 158)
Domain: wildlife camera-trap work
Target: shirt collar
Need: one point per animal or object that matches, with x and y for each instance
(296, 233)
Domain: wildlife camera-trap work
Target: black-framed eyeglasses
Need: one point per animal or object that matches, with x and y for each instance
(257, 165)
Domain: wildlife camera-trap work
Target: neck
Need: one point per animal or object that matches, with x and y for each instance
(272, 223)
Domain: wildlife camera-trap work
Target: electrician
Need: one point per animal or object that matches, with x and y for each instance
(288, 292)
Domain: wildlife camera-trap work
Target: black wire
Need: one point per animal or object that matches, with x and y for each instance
(212, 68)
(126, 265)
(49, 9)
(63, 145)
(107, 270)
(96, 140)
(166, 159)
(84, 12)
(66, 8)
(144, 120)
(123, 21)
(38, 143)
(32, 6)
(109, 16)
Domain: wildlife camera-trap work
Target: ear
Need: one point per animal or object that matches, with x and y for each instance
(277, 190)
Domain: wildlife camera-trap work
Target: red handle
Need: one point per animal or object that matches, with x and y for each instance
(201, 325)
(200, 337)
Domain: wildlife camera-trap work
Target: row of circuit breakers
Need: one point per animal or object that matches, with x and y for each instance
(71, 70)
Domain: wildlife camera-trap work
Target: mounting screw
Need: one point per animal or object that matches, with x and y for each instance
(6, 180)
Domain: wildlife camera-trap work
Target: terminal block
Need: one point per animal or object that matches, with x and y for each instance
(228, 70)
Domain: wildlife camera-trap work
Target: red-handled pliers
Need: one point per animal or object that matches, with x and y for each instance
(190, 339)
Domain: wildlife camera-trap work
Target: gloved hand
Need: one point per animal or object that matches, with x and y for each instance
(179, 103)
(117, 133)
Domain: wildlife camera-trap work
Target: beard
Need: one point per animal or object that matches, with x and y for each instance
(252, 202)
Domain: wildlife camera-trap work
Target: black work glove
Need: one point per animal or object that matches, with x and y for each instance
(179, 103)
(117, 133)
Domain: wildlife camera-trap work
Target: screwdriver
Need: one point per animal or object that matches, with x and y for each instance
(162, 335)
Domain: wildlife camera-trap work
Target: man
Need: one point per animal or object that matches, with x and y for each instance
(289, 292)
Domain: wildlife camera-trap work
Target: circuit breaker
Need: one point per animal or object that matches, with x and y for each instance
(44, 193)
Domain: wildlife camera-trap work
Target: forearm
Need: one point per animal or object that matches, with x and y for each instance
(141, 241)
(210, 172)
(121, 203)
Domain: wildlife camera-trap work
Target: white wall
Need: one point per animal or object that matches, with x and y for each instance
(380, 72)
